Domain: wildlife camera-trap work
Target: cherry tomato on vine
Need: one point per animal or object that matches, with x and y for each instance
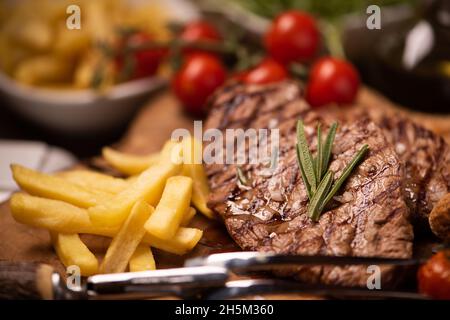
(267, 71)
(434, 276)
(199, 76)
(146, 61)
(293, 36)
(199, 31)
(332, 80)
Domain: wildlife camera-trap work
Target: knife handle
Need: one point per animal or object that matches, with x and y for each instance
(25, 280)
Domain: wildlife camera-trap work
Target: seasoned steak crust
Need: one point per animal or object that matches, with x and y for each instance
(368, 217)
(425, 154)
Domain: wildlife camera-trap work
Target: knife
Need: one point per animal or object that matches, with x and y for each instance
(29, 280)
(204, 277)
(247, 261)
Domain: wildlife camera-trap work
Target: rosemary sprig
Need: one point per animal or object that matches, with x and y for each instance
(306, 161)
(318, 179)
(319, 157)
(241, 176)
(328, 146)
(305, 181)
(316, 202)
(345, 174)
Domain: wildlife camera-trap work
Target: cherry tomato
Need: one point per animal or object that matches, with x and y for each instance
(293, 36)
(199, 31)
(240, 75)
(434, 276)
(197, 79)
(266, 72)
(146, 62)
(332, 80)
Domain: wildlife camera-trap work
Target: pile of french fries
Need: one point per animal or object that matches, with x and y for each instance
(37, 48)
(149, 209)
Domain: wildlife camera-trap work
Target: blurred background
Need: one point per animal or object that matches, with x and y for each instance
(79, 89)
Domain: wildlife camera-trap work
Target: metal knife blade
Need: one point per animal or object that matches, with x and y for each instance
(240, 288)
(177, 281)
(254, 261)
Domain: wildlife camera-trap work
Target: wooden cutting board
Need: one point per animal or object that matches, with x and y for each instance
(150, 129)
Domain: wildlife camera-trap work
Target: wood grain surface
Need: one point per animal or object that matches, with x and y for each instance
(147, 133)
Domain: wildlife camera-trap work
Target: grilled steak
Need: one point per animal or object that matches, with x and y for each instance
(369, 216)
(426, 157)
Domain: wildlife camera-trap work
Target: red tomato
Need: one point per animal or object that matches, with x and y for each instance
(434, 276)
(146, 61)
(199, 31)
(293, 36)
(197, 79)
(332, 80)
(266, 72)
(240, 75)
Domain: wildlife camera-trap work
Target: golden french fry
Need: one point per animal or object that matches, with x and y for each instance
(72, 251)
(169, 212)
(49, 214)
(187, 217)
(129, 164)
(92, 180)
(193, 167)
(54, 187)
(142, 259)
(127, 239)
(148, 187)
(62, 217)
(200, 188)
(44, 69)
(70, 43)
(184, 241)
(171, 151)
(36, 34)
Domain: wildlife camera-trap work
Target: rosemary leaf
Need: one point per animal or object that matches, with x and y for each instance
(306, 157)
(315, 204)
(319, 157)
(345, 174)
(327, 148)
(302, 171)
(241, 176)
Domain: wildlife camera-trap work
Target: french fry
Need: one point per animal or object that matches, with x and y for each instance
(126, 240)
(92, 180)
(200, 188)
(184, 241)
(49, 214)
(169, 212)
(72, 251)
(129, 164)
(148, 187)
(142, 259)
(172, 151)
(41, 70)
(35, 34)
(62, 217)
(53, 187)
(187, 217)
(193, 167)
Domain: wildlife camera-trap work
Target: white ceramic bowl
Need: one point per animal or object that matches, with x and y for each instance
(88, 111)
(78, 112)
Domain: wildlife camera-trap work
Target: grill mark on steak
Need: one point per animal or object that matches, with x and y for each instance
(370, 218)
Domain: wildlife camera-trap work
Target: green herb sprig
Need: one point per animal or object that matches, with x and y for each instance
(317, 177)
(242, 177)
